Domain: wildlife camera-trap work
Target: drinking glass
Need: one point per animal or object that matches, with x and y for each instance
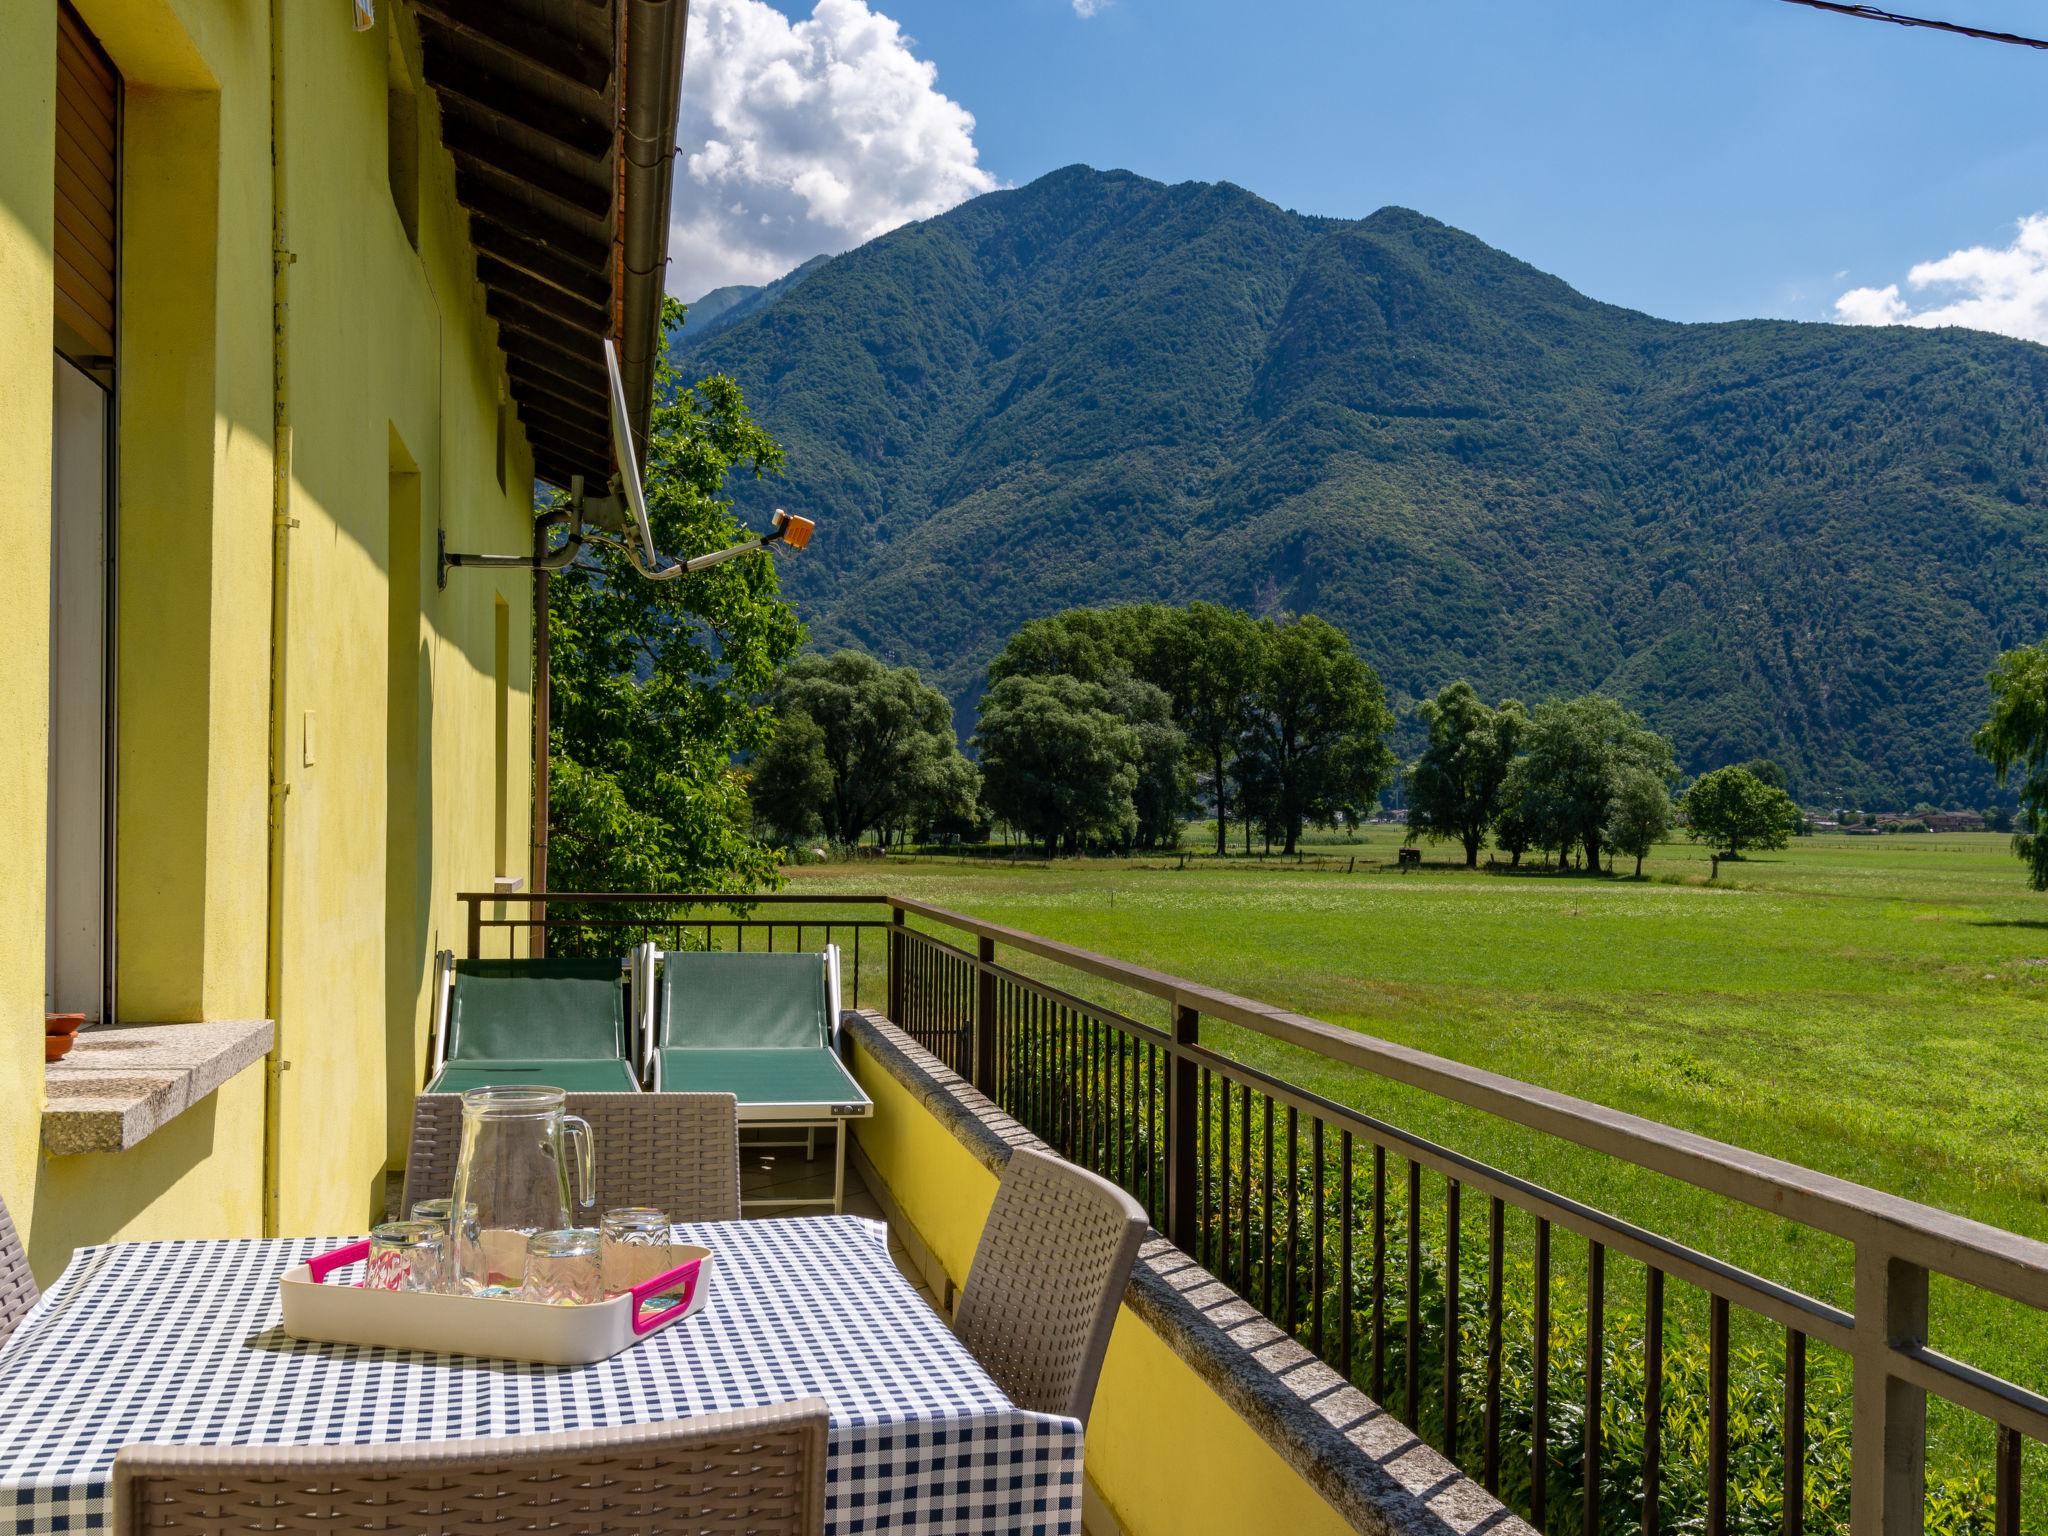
(628, 1231)
(563, 1268)
(406, 1256)
(454, 1244)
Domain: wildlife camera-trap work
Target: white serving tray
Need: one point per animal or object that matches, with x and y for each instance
(492, 1328)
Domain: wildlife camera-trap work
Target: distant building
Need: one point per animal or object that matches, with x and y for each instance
(1953, 821)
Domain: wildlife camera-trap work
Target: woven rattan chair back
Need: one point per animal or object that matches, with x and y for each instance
(17, 1285)
(760, 1470)
(1047, 1277)
(678, 1152)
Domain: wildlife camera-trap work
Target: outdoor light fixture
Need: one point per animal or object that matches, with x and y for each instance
(601, 520)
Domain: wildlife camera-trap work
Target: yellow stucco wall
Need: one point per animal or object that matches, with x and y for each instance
(1167, 1454)
(390, 695)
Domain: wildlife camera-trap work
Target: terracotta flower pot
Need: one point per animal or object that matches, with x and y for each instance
(54, 1046)
(66, 1024)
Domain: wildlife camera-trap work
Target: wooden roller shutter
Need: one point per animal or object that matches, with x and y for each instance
(88, 232)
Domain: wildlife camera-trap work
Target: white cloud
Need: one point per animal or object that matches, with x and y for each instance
(1987, 288)
(1086, 8)
(808, 136)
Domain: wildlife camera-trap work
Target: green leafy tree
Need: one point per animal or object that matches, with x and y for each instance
(1319, 727)
(883, 752)
(1212, 658)
(1092, 644)
(657, 685)
(2015, 741)
(1057, 762)
(1163, 791)
(1515, 825)
(945, 801)
(1454, 786)
(792, 782)
(1640, 815)
(1766, 771)
(1733, 809)
(1578, 751)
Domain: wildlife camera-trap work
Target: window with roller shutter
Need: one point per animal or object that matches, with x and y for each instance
(88, 204)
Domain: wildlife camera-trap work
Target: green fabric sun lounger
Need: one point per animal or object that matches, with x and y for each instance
(556, 1022)
(761, 1027)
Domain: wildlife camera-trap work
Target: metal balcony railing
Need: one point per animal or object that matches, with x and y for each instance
(1358, 1237)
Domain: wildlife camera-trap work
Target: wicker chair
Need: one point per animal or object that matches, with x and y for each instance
(17, 1285)
(678, 1152)
(760, 1470)
(1048, 1273)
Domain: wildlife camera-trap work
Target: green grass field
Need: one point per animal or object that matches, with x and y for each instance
(1874, 1007)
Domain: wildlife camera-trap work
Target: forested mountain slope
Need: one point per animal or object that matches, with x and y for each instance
(1799, 540)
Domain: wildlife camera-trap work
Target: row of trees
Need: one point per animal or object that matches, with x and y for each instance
(1095, 730)
(1582, 775)
(1099, 723)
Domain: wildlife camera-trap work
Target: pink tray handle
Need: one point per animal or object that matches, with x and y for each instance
(687, 1273)
(328, 1263)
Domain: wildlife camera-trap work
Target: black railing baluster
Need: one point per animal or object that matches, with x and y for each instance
(1344, 1257)
(1539, 1416)
(856, 964)
(1496, 1269)
(1244, 1192)
(1451, 1236)
(1084, 1093)
(1206, 1257)
(1794, 1435)
(2006, 1514)
(1315, 1327)
(1266, 1207)
(1292, 1302)
(1222, 1265)
(1070, 1034)
(1596, 1361)
(1653, 1401)
(1411, 1338)
(1717, 1417)
(1379, 1274)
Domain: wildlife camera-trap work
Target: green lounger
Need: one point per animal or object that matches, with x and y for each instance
(758, 1026)
(556, 1022)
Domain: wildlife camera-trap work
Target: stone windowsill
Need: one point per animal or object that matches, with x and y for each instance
(123, 1081)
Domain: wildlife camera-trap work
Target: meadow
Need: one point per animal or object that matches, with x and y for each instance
(1870, 1006)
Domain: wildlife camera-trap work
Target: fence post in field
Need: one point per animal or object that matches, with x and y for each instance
(1888, 1432)
(985, 1019)
(1181, 1114)
(896, 966)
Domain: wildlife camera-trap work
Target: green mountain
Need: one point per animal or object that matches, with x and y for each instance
(1806, 541)
(727, 306)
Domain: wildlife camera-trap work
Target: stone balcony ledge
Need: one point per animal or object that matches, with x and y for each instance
(121, 1082)
(1372, 1469)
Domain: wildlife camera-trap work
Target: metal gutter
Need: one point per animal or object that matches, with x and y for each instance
(281, 525)
(653, 80)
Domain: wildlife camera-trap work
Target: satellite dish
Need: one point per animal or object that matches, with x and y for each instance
(622, 450)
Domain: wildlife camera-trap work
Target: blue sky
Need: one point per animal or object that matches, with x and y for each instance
(1699, 159)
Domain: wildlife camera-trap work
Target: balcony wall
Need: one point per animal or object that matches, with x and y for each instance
(1208, 1418)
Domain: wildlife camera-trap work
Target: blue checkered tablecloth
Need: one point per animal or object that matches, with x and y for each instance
(181, 1343)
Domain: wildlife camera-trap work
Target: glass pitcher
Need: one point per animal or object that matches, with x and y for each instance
(514, 1172)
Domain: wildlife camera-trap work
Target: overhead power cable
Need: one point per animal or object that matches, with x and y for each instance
(1872, 13)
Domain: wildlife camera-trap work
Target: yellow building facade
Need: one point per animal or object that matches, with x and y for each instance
(310, 744)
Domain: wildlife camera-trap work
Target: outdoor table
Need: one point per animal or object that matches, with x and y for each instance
(181, 1343)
